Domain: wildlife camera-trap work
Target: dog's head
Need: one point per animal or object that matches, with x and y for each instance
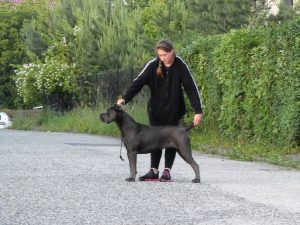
(111, 114)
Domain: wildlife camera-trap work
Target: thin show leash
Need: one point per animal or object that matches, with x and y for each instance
(121, 135)
(121, 140)
(121, 150)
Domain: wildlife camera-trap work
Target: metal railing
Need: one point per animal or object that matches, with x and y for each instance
(106, 86)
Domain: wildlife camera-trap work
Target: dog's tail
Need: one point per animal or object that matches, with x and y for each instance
(187, 128)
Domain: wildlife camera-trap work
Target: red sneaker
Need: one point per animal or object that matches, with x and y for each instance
(150, 176)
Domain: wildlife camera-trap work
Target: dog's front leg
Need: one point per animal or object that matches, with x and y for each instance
(132, 164)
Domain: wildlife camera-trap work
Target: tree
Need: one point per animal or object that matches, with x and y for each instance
(12, 50)
(102, 37)
(160, 19)
(49, 40)
(87, 36)
(218, 16)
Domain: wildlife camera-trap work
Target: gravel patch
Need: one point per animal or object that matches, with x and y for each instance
(66, 178)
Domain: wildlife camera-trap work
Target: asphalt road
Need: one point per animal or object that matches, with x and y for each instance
(65, 178)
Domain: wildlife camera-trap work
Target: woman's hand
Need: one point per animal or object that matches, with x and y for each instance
(120, 102)
(197, 119)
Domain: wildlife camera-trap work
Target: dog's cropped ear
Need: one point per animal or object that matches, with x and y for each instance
(118, 108)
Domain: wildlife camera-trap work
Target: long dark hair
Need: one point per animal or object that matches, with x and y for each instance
(167, 46)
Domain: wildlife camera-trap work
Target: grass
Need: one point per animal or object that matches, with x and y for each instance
(80, 120)
(86, 120)
(213, 143)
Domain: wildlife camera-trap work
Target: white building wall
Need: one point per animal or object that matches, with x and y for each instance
(273, 4)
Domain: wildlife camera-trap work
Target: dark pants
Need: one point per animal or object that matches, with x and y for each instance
(170, 153)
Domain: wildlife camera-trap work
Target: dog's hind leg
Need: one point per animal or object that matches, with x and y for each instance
(186, 155)
(132, 164)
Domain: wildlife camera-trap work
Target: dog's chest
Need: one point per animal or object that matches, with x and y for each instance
(130, 141)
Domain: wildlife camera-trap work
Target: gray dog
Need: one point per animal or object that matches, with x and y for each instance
(140, 139)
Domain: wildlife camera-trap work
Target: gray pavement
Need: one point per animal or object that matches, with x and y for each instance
(66, 178)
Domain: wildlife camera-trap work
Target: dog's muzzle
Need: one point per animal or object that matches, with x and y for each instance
(105, 118)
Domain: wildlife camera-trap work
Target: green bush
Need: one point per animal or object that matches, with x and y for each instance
(35, 81)
(233, 68)
(200, 58)
(250, 83)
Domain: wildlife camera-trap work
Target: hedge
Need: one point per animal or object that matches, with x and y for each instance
(250, 83)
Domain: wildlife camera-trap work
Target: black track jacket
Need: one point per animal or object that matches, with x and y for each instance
(166, 105)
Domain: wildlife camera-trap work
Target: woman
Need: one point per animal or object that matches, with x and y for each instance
(165, 75)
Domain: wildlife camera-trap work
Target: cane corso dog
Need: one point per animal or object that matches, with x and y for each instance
(140, 139)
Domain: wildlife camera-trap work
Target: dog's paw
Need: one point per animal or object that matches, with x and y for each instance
(196, 180)
(130, 179)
